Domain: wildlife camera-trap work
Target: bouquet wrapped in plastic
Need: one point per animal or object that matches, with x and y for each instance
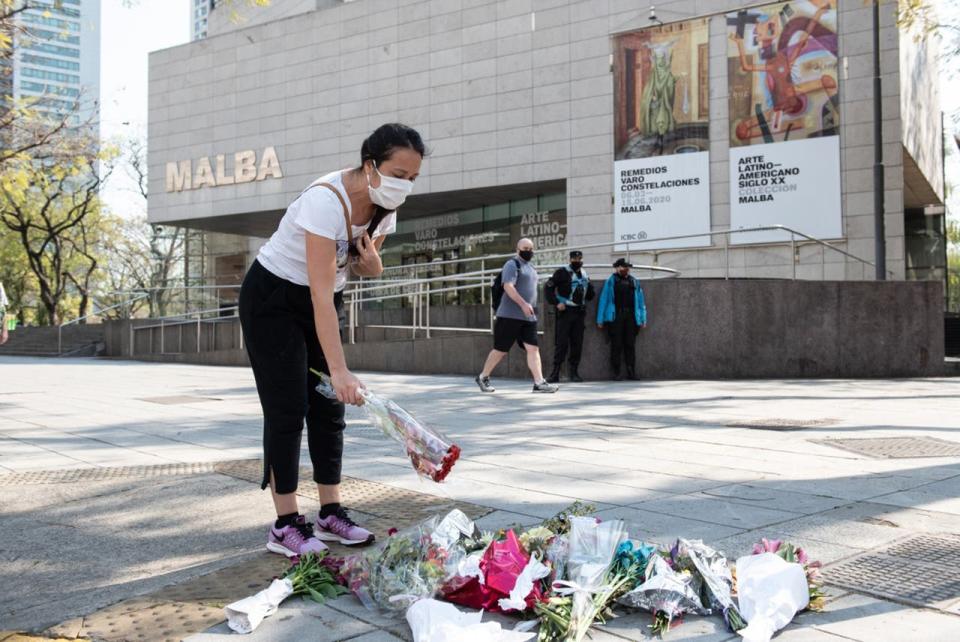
(667, 593)
(506, 578)
(409, 565)
(713, 569)
(591, 579)
(431, 454)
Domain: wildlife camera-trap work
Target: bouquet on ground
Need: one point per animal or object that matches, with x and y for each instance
(409, 565)
(795, 555)
(717, 581)
(431, 454)
(671, 589)
(504, 578)
(313, 576)
(594, 575)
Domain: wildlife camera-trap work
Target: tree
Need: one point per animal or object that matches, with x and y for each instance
(52, 206)
(24, 131)
(147, 257)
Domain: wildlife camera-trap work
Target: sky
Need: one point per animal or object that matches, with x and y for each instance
(129, 31)
(133, 28)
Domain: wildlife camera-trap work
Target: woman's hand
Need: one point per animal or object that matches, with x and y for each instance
(368, 263)
(347, 387)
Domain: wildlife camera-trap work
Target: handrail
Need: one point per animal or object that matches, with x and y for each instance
(181, 320)
(629, 247)
(92, 314)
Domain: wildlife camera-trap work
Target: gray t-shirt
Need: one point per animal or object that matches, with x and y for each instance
(526, 281)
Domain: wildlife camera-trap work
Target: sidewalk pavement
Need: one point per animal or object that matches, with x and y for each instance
(124, 485)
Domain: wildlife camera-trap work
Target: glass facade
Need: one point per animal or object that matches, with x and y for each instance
(475, 233)
(926, 246)
(198, 19)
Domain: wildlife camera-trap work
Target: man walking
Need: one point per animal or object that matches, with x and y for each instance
(623, 311)
(517, 319)
(572, 289)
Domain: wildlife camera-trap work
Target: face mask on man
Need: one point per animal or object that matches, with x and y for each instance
(391, 193)
(526, 255)
(576, 265)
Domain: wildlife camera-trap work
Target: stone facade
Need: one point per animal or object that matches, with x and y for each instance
(505, 92)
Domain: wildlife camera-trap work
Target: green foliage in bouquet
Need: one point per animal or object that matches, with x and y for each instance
(312, 578)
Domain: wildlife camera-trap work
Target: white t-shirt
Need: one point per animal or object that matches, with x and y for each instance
(317, 210)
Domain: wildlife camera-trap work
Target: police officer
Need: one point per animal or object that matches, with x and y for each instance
(623, 312)
(572, 289)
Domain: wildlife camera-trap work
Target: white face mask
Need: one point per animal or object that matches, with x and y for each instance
(392, 191)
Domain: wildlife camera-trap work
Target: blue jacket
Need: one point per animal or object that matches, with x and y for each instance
(607, 309)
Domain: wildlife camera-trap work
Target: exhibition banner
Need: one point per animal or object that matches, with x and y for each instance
(662, 135)
(784, 120)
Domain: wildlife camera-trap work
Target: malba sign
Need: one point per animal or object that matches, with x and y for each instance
(186, 175)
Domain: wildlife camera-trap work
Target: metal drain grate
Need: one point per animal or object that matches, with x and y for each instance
(103, 474)
(785, 425)
(922, 570)
(896, 447)
(177, 400)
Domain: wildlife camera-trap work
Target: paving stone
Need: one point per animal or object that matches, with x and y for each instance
(297, 619)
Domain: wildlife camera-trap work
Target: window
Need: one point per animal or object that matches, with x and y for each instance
(50, 75)
(66, 11)
(43, 34)
(66, 25)
(43, 61)
(46, 47)
(49, 89)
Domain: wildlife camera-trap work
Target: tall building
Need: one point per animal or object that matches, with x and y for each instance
(57, 57)
(198, 19)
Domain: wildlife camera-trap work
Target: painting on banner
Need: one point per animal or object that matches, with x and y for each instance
(662, 135)
(784, 119)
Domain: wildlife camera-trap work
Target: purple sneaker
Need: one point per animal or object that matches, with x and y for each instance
(294, 540)
(340, 528)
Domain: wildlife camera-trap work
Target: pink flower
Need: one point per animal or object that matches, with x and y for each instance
(767, 546)
(802, 558)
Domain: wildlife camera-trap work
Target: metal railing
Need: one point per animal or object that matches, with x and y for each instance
(797, 239)
(422, 289)
(409, 286)
(98, 313)
(181, 321)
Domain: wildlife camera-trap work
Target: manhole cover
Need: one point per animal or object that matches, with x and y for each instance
(785, 425)
(102, 474)
(896, 447)
(177, 400)
(922, 570)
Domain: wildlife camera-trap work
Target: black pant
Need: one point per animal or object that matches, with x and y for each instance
(281, 340)
(569, 334)
(623, 336)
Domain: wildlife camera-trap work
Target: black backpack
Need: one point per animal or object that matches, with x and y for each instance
(496, 288)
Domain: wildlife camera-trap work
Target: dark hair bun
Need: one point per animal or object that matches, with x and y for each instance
(379, 145)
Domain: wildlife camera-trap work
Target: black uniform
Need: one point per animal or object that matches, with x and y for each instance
(623, 330)
(570, 321)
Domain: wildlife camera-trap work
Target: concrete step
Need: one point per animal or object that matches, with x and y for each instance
(951, 366)
(77, 340)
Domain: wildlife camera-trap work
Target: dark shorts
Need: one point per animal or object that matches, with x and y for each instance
(506, 332)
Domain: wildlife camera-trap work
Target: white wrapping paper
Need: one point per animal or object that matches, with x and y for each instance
(771, 591)
(243, 616)
(435, 621)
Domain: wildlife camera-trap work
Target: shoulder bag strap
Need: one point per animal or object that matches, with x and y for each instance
(343, 203)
